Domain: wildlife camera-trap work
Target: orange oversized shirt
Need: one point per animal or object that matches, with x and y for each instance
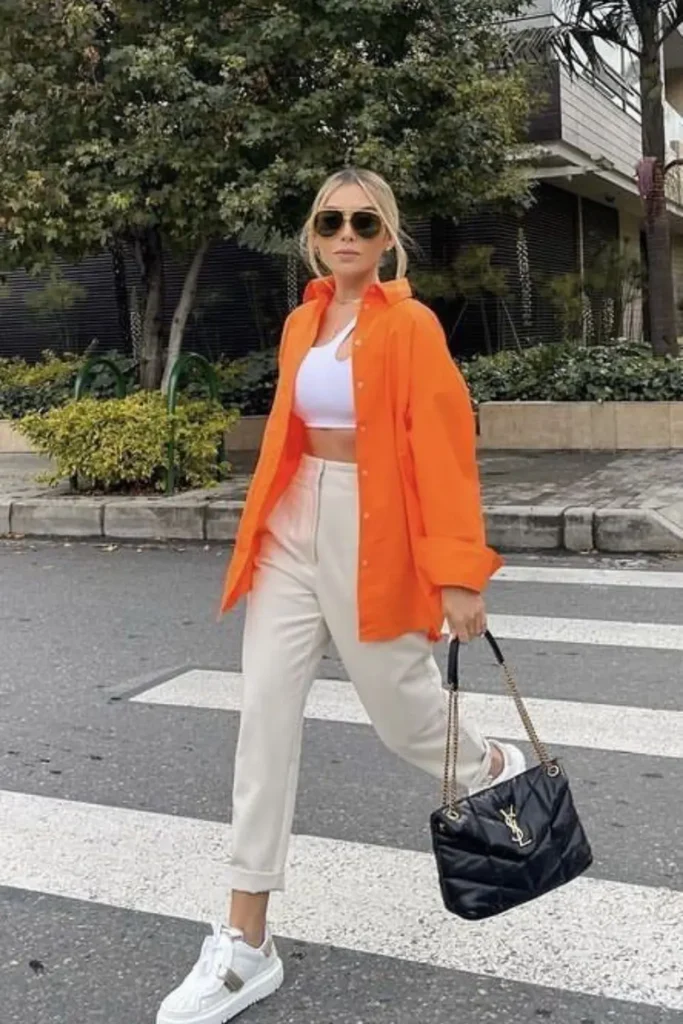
(421, 521)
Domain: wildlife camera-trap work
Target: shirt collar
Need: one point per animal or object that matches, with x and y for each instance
(387, 292)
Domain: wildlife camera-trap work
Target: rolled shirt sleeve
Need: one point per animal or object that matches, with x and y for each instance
(441, 427)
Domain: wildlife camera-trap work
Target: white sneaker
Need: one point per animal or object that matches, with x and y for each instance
(228, 977)
(514, 763)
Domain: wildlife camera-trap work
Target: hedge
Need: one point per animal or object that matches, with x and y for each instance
(564, 373)
(49, 383)
(119, 444)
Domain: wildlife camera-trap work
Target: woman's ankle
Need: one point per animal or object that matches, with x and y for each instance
(248, 912)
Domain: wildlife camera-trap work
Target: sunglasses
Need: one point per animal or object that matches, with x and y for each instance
(364, 223)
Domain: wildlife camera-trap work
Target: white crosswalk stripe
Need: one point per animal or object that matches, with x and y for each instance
(376, 899)
(597, 936)
(644, 578)
(562, 722)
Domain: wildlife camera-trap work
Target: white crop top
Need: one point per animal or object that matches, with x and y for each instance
(323, 396)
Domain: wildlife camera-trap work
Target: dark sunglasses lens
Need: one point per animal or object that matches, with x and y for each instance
(328, 223)
(365, 224)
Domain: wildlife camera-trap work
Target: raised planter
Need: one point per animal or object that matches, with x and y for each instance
(12, 442)
(247, 434)
(585, 426)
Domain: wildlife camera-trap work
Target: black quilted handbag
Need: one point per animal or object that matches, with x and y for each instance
(509, 843)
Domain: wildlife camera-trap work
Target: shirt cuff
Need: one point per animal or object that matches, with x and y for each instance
(454, 563)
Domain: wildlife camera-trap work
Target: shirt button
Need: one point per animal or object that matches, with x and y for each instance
(357, 342)
(363, 472)
(363, 427)
(365, 563)
(366, 515)
(360, 384)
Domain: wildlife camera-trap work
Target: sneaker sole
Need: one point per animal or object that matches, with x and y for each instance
(262, 986)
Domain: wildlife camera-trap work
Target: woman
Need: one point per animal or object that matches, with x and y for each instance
(363, 525)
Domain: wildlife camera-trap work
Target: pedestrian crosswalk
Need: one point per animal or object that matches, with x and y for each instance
(602, 937)
(632, 730)
(353, 895)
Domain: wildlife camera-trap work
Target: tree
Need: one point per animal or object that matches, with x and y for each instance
(641, 27)
(165, 126)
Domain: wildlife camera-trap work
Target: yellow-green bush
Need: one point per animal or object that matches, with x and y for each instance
(120, 444)
(36, 387)
(51, 369)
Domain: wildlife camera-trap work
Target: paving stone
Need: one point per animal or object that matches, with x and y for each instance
(155, 519)
(57, 517)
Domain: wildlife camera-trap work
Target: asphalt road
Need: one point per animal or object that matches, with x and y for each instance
(114, 796)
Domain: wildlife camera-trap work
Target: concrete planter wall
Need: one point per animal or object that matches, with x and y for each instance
(246, 435)
(12, 442)
(554, 426)
(586, 426)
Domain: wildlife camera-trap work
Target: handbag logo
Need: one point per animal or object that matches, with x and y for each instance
(509, 816)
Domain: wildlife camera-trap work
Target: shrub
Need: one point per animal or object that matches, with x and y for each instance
(119, 444)
(248, 383)
(26, 387)
(562, 373)
(49, 383)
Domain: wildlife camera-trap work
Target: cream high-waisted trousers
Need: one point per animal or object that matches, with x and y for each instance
(304, 593)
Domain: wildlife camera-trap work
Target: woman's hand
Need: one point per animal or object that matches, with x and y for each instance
(465, 613)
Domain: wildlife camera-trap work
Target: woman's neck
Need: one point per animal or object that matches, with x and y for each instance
(346, 292)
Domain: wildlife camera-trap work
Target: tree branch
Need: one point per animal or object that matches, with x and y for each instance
(674, 15)
(182, 312)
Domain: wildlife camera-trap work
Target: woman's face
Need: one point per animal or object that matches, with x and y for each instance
(355, 249)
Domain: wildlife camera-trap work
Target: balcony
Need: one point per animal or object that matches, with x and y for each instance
(596, 117)
(673, 127)
(673, 132)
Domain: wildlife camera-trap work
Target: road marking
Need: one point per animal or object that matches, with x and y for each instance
(647, 579)
(593, 936)
(564, 723)
(653, 636)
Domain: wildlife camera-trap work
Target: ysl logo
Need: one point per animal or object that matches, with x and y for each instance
(516, 831)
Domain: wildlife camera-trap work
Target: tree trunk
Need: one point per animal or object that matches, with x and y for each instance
(118, 266)
(182, 311)
(657, 228)
(149, 255)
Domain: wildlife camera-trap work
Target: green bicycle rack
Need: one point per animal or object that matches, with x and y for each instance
(86, 372)
(183, 363)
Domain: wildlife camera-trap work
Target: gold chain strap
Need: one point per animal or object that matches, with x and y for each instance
(449, 793)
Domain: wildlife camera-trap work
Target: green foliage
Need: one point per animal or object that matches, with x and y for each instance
(566, 295)
(592, 306)
(248, 384)
(49, 383)
(56, 296)
(566, 373)
(198, 119)
(119, 444)
(50, 369)
(36, 387)
(168, 125)
(471, 275)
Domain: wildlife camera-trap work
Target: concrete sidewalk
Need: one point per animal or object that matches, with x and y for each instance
(577, 501)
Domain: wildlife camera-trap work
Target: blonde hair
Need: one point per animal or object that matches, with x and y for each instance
(380, 194)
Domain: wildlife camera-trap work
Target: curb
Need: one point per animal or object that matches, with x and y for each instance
(197, 517)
